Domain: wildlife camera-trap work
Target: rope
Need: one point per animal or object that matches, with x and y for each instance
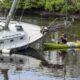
(66, 9)
(22, 13)
(75, 35)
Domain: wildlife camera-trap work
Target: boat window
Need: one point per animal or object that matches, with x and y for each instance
(21, 61)
(1, 42)
(11, 60)
(11, 40)
(1, 59)
(21, 38)
(19, 28)
(0, 51)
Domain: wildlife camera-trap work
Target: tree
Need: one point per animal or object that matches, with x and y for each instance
(49, 5)
(7, 3)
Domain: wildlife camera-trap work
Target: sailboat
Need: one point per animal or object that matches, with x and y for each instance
(15, 35)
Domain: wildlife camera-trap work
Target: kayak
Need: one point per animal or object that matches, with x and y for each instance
(53, 46)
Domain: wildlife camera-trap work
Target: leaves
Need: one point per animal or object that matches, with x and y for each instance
(78, 6)
(50, 5)
(7, 3)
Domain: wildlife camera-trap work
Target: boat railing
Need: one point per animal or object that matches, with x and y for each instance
(11, 36)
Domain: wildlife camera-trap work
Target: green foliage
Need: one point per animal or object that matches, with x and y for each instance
(67, 8)
(7, 3)
(58, 2)
(26, 4)
(50, 5)
(78, 6)
(53, 4)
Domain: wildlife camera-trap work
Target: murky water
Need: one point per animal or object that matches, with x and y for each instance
(34, 70)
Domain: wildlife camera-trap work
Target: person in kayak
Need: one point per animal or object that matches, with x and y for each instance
(64, 38)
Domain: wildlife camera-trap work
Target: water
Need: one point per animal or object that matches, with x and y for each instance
(33, 70)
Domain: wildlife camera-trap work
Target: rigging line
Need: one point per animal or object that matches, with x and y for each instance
(75, 35)
(66, 15)
(22, 13)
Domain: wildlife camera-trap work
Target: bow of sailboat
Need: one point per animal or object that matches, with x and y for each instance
(12, 32)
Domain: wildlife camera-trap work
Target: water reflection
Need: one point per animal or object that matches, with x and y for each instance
(33, 70)
(36, 76)
(70, 60)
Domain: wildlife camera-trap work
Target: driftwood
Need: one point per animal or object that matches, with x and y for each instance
(76, 17)
(56, 14)
(57, 26)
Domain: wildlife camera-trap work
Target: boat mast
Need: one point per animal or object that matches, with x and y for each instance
(10, 15)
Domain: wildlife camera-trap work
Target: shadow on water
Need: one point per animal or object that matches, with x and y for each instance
(31, 52)
(59, 59)
(54, 59)
(63, 64)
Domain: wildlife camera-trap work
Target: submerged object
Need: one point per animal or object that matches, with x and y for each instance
(53, 46)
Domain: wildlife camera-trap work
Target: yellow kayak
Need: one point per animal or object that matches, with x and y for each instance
(52, 46)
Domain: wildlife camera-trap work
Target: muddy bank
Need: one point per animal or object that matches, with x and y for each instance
(41, 13)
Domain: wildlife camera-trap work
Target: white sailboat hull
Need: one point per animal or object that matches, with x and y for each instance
(19, 34)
